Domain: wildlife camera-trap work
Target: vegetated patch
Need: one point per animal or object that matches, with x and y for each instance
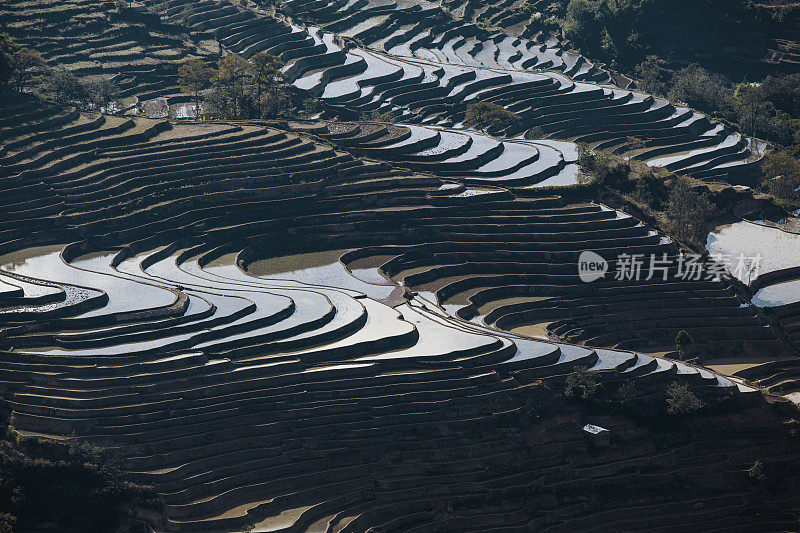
(66, 486)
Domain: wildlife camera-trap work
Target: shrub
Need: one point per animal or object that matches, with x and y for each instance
(310, 106)
(581, 384)
(606, 170)
(644, 191)
(377, 116)
(536, 132)
(486, 115)
(682, 341)
(7, 522)
(756, 472)
(586, 158)
(681, 400)
(653, 77)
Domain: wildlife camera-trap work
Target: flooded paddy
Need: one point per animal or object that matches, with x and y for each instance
(125, 295)
(783, 293)
(317, 268)
(777, 249)
(368, 269)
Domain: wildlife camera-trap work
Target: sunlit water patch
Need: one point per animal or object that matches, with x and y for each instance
(776, 249)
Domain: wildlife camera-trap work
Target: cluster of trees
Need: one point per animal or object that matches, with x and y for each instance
(583, 385)
(238, 88)
(630, 36)
(606, 29)
(65, 88)
(21, 67)
(768, 110)
(18, 65)
(623, 32)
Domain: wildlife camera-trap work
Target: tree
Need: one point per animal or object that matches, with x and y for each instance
(682, 341)
(751, 106)
(701, 89)
(486, 115)
(681, 400)
(267, 77)
(688, 212)
(652, 75)
(100, 93)
(66, 88)
(25, 65)
(230, 79)
(781, 173)
(194, 76)
(7, 48)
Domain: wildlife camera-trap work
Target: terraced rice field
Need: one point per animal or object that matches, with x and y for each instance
(772, 269)
(412, 62)
(330, 325)
(272, 331)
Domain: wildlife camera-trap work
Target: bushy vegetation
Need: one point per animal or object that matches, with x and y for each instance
(21, 68)
(680, 208)
(376, 116)
(688, 212)
(682, 342)
(756, 472)
(66, 89)
(488, 116)
(236, 89)
(781, 174)
(623, 32)
(768, 110)
(581, 384)
(629, 35)
(47, 484)
(681, 400)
